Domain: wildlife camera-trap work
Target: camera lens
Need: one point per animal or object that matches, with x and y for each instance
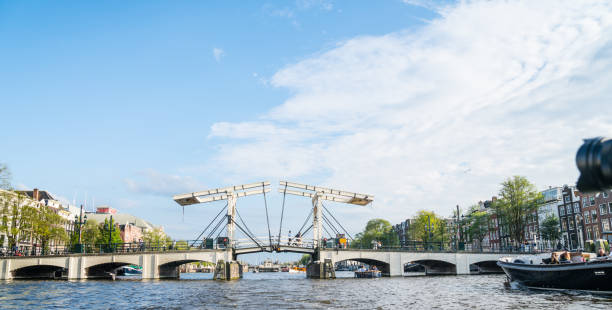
(594, 160)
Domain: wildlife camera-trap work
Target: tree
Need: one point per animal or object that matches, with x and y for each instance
(376, 230)
(5, 177)
(181, 245)
(477, 225)
(304, 260)
(156, 238)
(90, 233)
(105, 235)
(47, 226)
(518, 200)
(550, 229)
(428, 227)
(17, 217)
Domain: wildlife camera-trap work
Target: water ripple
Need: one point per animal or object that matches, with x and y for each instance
(291, 291)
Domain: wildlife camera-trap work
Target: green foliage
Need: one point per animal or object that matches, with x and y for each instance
(91, 232)
(48, 225)
(106, 233)
(477, 225)
(376, 230)
(428, 227)
(181, 245)
(22, 218)
(518, 200)
(18, 216)
(156, 238)
(550, 229)
(304, 260)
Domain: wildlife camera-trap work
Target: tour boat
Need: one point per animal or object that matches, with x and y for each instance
(592, 275)
(129, 271)
(368, 274)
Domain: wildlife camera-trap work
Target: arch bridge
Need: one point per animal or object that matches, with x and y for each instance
(164, 263)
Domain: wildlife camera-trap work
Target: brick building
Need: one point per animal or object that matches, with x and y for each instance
(570, 218)
(596, 215)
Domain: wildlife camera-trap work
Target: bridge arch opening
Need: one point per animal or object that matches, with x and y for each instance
(430, 267)
(40, 272)
(485, 267)
(384, 267)
(173, 269)
(107, 270)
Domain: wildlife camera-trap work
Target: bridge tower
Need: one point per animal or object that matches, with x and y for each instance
(318, 269)
(231, 195)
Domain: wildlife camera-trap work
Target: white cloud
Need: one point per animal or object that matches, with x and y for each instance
(440, 116)
(155, 183)
(218, 53)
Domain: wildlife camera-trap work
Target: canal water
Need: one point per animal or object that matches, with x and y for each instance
(291, 291)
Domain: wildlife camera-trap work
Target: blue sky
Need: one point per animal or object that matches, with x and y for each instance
(423, 104)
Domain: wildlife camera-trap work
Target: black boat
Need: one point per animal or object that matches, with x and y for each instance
(594, 275)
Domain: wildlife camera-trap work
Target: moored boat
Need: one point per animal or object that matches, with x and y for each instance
(368, 274)
(129, 271)
(593, 275)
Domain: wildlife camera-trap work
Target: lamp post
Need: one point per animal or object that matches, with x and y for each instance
(111, 228)
(79, 221)
(428, 232)
(457, 234)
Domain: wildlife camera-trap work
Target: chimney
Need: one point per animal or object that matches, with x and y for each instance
(35, 194)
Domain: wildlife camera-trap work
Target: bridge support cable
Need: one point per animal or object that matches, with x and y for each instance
(282, 213)
(245, 226)
(317, 195)
(327, 231)
(305, 222)
(211, 222)
(333, 228)
(307, 230)
(267, 217)
(334, 218)
(248, 235)
(229, 194)
(219, 223)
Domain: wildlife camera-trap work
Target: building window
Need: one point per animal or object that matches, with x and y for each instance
(587, 218)
(562, 210)
(606, 225)
(603, 209)
(571, 224)
(605, 194)
(569, 209)
(566, 199)
(592, 200)
(563, 225)
(610, 207)
(594, 216)
(585, 201)
(589, 234)
(576, 207)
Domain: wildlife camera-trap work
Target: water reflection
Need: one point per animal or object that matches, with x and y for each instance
(290, 291)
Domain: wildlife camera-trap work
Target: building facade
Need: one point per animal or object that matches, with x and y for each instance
(596, 215)
(570, 218)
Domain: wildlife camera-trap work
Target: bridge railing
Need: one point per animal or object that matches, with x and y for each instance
(124, 247)
(438, 247)
(265, 242)
(187, 245)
